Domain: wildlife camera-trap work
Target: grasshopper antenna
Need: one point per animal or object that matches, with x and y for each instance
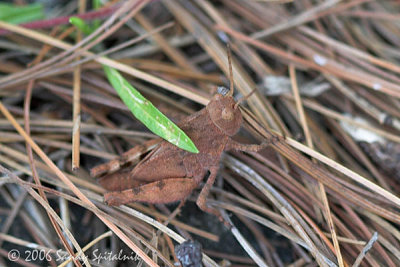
(244, 98)
(230, 69)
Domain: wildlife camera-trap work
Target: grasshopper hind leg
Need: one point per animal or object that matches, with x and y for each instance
(161, 192)
(118, 181)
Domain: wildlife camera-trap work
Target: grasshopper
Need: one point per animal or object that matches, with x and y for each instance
(169, 174)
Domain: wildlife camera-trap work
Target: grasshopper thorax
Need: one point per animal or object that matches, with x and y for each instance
(224, 114)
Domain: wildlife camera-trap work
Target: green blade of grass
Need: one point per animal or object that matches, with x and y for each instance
(149, 115)
(81, 25)
(20, 14)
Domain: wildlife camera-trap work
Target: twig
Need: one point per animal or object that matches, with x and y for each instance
(365, 250)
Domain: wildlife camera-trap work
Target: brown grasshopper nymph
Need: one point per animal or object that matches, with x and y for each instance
(169, 174)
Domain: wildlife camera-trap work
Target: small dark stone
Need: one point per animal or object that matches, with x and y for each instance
(189, 253)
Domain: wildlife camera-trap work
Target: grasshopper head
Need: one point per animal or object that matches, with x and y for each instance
(224, 113)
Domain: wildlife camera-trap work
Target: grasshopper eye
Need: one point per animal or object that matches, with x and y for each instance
(227, 114)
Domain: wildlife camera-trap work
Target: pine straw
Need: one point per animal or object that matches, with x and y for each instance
(323, 195)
